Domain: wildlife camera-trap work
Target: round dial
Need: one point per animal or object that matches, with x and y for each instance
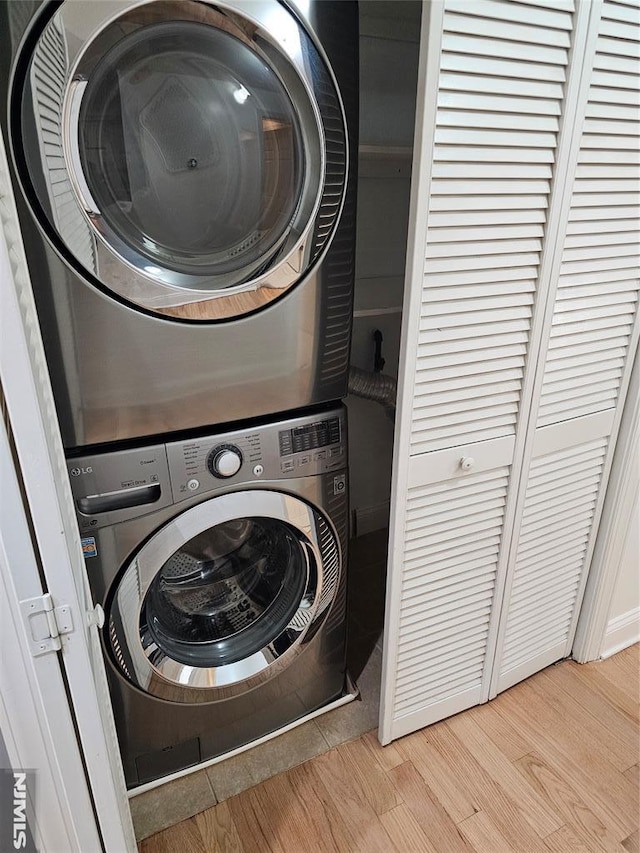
(225, 460)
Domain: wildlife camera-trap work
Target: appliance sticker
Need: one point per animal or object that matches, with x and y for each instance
(89, 548)
(339, 484)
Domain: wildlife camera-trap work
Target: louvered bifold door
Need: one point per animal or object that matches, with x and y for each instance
(490, 103)
(592, 339)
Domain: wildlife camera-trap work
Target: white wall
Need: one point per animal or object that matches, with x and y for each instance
(623, 626)
(610, 616)
(626, 596)
(389, 34)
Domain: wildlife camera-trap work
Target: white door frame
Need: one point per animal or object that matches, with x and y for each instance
(35, 719)
(40, 458)
(423, 144)
(619, 503)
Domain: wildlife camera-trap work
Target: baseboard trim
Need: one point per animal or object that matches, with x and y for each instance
(622, 632)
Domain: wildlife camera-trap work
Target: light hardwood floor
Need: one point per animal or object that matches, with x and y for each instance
(550, 765)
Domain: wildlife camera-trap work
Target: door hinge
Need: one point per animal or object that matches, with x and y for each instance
(45, 623)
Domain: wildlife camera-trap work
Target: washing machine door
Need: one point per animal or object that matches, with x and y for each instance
(224, 596)
(190, 157)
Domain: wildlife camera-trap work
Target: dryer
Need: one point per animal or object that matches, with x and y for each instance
(186, 173)
(220, 562)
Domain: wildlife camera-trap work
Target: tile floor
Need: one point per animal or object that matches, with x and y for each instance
(167, 805)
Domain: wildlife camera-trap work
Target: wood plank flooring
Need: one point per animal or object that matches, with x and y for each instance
(550, 765)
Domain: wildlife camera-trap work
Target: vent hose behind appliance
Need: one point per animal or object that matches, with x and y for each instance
(378, 387)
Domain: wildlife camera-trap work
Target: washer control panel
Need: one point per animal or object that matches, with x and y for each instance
(297, 447)
(122, 484)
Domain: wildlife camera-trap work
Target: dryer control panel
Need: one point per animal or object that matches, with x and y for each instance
(297, 447)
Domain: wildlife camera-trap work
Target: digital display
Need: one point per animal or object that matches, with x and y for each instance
(309, 437)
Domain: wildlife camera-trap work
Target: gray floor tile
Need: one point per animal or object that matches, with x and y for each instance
(357, 717)
(236, 774)
(169, 804)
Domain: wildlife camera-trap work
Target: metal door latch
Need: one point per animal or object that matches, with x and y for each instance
(96, 616)
(45, 623)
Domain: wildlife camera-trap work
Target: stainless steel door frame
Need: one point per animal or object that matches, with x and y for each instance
(151, 669)
(274, 33)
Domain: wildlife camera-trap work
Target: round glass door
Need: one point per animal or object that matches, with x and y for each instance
(226, 594)
(191, 150)
(223, 596)
(189, 156)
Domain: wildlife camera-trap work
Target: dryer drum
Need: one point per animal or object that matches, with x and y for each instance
(190, 158)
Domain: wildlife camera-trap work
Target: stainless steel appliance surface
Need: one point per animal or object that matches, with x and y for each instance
(186, 176)
(220, 562)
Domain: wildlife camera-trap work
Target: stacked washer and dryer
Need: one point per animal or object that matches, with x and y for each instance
(186, 178)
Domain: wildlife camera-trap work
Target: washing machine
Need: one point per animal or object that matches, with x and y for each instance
(186, 174)
(220, 563)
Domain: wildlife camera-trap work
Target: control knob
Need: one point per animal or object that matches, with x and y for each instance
(225, 461)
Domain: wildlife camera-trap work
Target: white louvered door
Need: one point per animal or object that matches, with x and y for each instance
(505, 299)
(560, 499)
(453, 525)
(491, 98)
(582, 381)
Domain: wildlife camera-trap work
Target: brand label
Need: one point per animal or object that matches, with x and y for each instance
(17, 791)
(20, 811)
(339, 484)
(89, 548)
(76, 472)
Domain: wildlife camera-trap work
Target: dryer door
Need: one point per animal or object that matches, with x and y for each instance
(224, 596)
(189, 157)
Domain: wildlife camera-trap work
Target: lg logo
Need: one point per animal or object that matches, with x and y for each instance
(75, 472)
